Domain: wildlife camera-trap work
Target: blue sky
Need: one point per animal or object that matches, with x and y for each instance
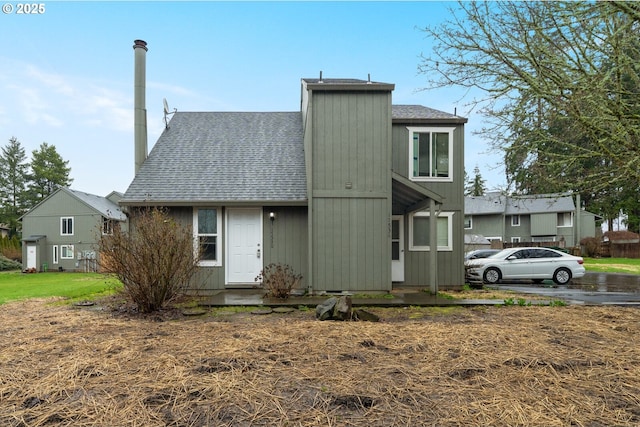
(66, 76)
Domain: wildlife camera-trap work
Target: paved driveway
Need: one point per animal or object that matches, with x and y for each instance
(593, 288)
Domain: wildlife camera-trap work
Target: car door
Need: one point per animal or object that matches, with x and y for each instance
(543, 263)
(517, 266)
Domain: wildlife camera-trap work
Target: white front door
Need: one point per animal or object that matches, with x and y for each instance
(31, 256)
(244, 245)
(397, 248)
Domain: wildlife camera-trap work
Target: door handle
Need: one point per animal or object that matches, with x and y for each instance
(258, 254)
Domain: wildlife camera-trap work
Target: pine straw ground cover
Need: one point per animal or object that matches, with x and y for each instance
(499, 366)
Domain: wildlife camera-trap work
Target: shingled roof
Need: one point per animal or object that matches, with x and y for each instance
(214, 157)
(496, 203)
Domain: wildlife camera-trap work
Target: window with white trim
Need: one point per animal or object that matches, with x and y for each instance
(430, 154)
(515, 240)
(206, 228)
(107, 226)
(66, 226)
(66, 251)
(468, 222)
(515, 220)
(419, 229)
(565, 219)
(54, 256)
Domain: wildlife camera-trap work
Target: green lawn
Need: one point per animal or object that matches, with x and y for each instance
(15, 285)
(613, 265)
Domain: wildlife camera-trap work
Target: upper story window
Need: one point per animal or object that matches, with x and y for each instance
(206, 229)
(565, 219)
(66, 226)
(107, 225)
(515, 220)
(468, 222)
(430, 154)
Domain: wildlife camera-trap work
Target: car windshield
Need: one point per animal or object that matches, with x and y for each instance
(502, 254)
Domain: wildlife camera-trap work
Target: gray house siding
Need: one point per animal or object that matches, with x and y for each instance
(350, 181)
(545, 224)
(285, 238)
(450, 263)
(490, 226)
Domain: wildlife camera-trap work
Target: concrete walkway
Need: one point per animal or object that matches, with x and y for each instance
(401, 298)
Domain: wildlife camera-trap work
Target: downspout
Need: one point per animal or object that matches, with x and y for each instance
(578, 231)
(139, 100)
(433, 246)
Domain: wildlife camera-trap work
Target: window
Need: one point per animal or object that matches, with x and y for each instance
(206, 226)
(468, 222)
(66, 251)
(107, 225)
(565, 219)
(515, 240)
(419, 231)
(55, 255)
(430, 154)
(66, 226)
(515, 220)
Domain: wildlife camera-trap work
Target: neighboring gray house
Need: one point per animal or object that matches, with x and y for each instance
(532, 218)
(60, 232)
(342, 190)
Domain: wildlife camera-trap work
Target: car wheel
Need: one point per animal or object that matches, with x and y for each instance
(492, 276)
(562, 276)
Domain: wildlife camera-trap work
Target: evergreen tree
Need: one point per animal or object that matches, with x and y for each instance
(13, 175)
(475, 186)
(48, 172)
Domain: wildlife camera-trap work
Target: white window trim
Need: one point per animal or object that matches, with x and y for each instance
(515, 223)
(448, 130)
(73, 225)
(218, 234)
(470, 222)
(570, 219)
(55, 255)
(515, 240)
(70, 248)
(109, 223)
(448, 247)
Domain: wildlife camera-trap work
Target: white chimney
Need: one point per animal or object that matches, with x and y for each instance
(139, 104)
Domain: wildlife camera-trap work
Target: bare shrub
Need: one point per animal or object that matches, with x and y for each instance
(591, 246)
(155, 261)
(279, 280)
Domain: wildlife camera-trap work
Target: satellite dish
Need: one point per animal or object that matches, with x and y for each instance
(167, 112)
(166, 106)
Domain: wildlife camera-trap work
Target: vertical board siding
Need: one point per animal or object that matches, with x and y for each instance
(350, 238)
(352, 251)
(544, 224)
(285, 239)
(350, 137)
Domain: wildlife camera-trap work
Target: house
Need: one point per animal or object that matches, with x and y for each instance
(533, 218)
(342, 190)
(61, 232)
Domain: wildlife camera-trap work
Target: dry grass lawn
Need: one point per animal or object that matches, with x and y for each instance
(498, 366)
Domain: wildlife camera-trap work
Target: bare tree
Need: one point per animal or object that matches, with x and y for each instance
(558, 85)
(155, 261)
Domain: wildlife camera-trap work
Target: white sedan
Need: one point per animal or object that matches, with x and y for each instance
(535, 264)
